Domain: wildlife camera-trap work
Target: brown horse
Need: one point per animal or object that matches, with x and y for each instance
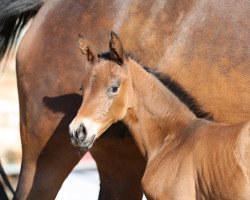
(187, 157)
(202, 44)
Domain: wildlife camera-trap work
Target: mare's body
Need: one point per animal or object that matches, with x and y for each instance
(187, 157)
(206, 41)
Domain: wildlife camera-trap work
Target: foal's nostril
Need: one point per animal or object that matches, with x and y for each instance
(81, 133)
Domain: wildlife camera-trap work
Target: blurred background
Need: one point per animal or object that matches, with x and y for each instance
(83, 180)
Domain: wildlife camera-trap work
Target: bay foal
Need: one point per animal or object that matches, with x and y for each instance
(187, 157)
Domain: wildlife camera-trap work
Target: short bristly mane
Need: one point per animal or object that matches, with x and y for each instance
(181, 93)
(173, 86)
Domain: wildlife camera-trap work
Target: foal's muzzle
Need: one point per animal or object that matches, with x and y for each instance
(80, 133)
(79, 137)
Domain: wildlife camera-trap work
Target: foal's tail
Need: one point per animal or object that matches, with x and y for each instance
(5, 180)
(14, 15)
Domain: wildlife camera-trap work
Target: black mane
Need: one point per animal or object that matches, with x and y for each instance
(173, 86)
(181, 94)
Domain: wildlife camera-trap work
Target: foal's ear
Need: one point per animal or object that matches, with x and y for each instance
(86, 49)
(116, 49)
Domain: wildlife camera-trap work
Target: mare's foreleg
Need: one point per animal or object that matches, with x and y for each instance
(120, 166)
(48, 156)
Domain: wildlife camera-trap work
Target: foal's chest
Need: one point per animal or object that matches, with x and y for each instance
(168, 178)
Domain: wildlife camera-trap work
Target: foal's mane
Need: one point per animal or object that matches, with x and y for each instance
(172, 85)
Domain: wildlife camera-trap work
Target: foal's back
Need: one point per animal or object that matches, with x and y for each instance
(209, 161)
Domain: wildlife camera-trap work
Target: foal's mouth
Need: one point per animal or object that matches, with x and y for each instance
(83, 145)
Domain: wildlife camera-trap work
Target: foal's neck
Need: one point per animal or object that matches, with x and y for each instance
(156, 115)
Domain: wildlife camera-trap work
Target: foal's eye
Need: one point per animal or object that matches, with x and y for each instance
(113, 89)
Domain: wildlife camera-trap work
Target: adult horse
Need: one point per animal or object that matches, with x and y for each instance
(201, 44)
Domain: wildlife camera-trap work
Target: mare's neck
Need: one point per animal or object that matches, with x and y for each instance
(156, 115)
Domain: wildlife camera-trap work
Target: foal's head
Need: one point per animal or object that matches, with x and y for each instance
(106, 92)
